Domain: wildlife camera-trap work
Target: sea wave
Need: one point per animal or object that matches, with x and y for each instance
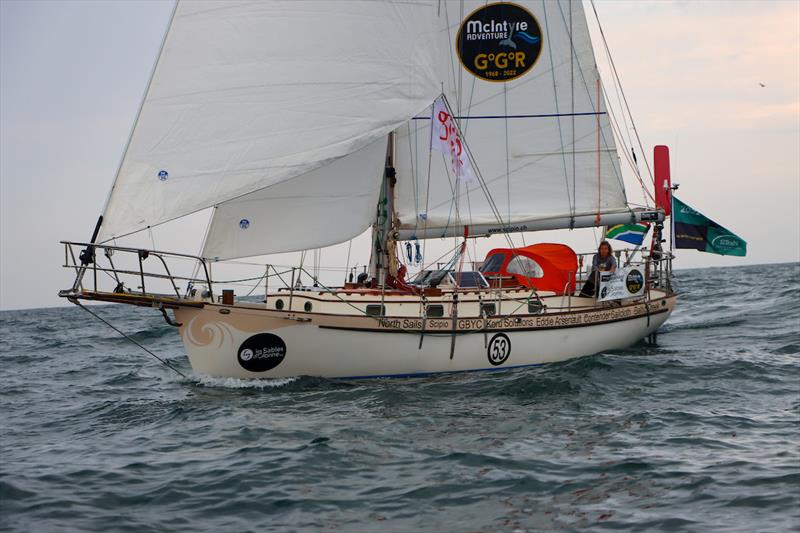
(696, 432)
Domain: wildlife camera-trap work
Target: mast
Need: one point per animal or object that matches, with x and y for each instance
(383, 260)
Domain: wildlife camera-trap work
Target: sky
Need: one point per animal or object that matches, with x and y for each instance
(717, 81)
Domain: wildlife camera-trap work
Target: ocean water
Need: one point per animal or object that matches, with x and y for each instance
(698, 433)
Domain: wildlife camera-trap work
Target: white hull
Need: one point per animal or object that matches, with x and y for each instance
(334, 346)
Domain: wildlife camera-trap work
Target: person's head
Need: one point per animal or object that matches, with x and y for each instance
(604, 250)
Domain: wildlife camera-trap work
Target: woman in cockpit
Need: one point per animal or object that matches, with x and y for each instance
(603, 261)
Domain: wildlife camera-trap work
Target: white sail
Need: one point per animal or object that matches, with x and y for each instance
(246, 95)
(325, 206)
(541, 139)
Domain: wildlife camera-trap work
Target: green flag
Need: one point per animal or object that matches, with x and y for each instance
(695, 231)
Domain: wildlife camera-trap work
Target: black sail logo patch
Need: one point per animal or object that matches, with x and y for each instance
(261, 352)
(499, 42)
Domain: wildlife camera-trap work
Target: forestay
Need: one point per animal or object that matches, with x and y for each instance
(248, 95)
(523, 83)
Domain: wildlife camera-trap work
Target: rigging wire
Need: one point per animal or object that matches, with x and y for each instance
(412, 166)
(450, 39)
(631, 162)
(572, 95)
(617, 130)
(428, 187)
(619, 100)
(109, 324)
(197, 265)
(508, 171)
(622, 90)
(152, 240)
(482, 182)
(316, 258)
(570, 199)
(628, 149)
(573, 57)
(347, 265)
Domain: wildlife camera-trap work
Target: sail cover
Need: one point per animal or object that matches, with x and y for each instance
(248, 95)
(522, 81)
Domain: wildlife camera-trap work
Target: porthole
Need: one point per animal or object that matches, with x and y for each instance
(307, 307)
(278, 304)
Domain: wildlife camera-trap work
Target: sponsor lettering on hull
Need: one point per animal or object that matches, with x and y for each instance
(511, 323)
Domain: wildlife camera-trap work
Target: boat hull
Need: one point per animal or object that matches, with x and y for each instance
(250, 342)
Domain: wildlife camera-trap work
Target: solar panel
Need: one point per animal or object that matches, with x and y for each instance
(471, 280)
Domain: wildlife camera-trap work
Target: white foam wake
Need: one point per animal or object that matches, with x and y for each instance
(236, 383)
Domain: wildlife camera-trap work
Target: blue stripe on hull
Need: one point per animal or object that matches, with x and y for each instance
(426, 374)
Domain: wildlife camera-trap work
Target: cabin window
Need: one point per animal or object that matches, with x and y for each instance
(278, 304)
(434, 311)
(525, 266)
(488, 310)
(493, 263)
(376, 310)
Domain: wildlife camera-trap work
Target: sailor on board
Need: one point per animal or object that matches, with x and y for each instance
(603, 261)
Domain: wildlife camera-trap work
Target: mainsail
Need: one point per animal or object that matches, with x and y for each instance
(523, 84)
(248, 95)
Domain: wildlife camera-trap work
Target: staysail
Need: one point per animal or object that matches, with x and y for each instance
(250, 95)
(523, 83)
(331, 204)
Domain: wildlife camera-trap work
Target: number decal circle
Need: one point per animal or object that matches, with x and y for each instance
(499, 349)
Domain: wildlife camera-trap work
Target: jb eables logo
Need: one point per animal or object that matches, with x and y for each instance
(499, 42)
(261, 352)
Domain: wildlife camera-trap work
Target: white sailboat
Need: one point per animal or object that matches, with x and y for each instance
(303, 124)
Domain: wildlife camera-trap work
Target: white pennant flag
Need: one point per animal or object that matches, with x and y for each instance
(446, 138)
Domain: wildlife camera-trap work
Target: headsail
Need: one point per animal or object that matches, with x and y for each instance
(523, 83)
(325, 206)
(247, 95)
